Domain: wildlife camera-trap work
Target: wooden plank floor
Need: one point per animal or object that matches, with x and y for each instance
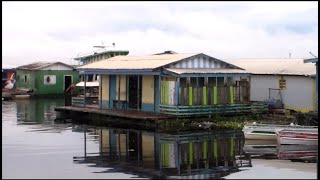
(123, 113)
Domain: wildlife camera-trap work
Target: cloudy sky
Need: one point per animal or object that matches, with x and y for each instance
(60, 31)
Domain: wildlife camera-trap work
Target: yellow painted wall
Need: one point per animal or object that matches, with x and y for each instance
(105, 140)
(148, 89)
(148, 148)
(105, 87)
(122, 87)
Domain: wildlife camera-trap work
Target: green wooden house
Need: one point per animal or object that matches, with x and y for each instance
(46, 78)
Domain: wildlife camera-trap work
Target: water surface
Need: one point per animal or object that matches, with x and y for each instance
(34, 146)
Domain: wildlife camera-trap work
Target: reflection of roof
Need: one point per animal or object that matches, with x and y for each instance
(88, 84)
(283, 66)
(136, 62)
(206, 71)
(40, 65)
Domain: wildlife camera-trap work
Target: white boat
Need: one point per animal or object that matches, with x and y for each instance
(298, 136)
(256, 131)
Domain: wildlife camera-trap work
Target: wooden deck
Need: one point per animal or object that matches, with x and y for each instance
(123, 113)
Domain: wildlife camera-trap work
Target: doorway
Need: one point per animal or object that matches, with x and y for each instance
(135, 92)
(67, 82)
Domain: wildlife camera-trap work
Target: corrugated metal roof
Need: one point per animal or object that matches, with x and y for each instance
(206, 71)
(136, 62)
(40, 65)
(283, 66)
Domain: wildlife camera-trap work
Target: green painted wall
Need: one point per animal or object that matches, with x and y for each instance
(36, 81)
(20, 79)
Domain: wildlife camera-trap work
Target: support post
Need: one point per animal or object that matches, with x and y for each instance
(85, 87)
(100, 90)
(316, 94)
(138, 89)
(85, 141)
(177, 90)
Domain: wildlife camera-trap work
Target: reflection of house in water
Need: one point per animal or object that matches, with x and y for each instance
(202, 155)
(39, 111)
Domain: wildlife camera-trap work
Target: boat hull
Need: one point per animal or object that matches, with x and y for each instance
(269, 131)
(302, 137)
(297, 152)
(260, 136)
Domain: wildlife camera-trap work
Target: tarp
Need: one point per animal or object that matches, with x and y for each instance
(88, 84)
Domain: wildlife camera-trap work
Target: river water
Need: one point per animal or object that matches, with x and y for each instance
(34, 146)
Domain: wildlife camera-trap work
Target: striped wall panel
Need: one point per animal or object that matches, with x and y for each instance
(200, 61)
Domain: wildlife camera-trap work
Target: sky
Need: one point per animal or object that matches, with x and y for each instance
(60, 31)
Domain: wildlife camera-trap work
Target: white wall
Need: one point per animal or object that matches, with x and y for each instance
(298, 94)
(57, 67)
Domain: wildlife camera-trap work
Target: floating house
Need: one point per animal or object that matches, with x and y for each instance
(172, 83)
(46, 78)
(7, 74)
(290, 80)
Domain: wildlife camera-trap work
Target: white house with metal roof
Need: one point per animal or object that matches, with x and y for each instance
(174, 83)
(292, 80)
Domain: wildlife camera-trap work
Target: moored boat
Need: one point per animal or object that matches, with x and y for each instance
(268, 131)
(298, 136)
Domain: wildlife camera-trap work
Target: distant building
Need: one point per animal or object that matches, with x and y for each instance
(92, 79)
(46, 78)
(293, 78)
(97, 56)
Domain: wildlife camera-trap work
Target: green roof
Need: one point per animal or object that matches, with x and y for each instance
(312, 60)
(104, 52)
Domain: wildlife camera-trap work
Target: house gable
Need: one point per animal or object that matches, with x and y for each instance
(57, 66)
(201, 61)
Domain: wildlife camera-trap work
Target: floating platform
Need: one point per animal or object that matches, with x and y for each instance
(122, 113)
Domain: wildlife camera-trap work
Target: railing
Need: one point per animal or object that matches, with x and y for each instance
(210, 95)
(120, 104)
(80, 101)
(213, 109)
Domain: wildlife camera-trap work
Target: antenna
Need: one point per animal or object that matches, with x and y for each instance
(313, 55)
(102, 46)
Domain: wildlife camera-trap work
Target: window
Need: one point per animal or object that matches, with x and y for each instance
(25, 80)
(282, 83)
(49, 79)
